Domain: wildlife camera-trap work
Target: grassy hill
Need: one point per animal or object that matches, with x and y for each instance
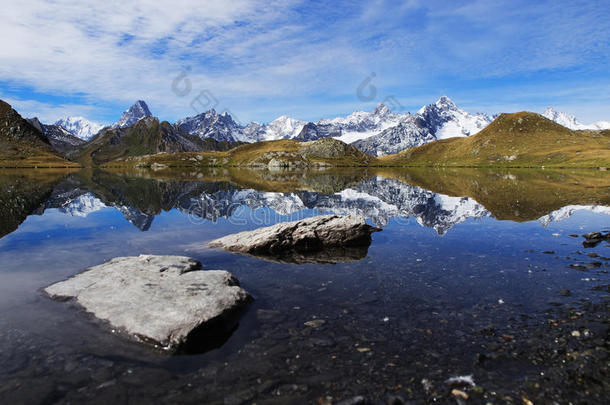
(289, 154)
(22, 145)
(513, 140)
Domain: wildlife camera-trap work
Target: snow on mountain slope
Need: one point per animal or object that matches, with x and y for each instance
(357, 125)
(361, 125)
(283, 127)
(447, 120)
(83, 205)
(132, 115)
(570, 121)
(602, 124)
(80, 127)
(443, 119)
(569, 210)
(388, 132)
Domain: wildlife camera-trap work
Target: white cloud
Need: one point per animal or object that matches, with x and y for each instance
(293, 56)
(49, 113)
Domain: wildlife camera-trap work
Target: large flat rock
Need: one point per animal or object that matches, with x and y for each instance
(163, 300)
(309, 236)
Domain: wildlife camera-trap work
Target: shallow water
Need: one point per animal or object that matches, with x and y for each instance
(444, 268)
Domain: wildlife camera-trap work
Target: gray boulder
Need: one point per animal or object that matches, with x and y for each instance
(164, 300)
(309, 235)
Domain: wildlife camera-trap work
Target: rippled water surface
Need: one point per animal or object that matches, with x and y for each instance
(466, 262)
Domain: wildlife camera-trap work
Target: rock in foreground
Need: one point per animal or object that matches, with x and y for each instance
(165, 300)
(306, 236)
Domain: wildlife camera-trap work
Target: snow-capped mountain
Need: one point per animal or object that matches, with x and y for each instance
(58, 137)
(80, 127)
(283, 127)
(446, 120)
(210, 124)
(570, 121)
(132, 115)
(443, 119)
(378, 132)
(361, 125)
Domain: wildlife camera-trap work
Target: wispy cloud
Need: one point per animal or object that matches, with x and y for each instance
(302, 58)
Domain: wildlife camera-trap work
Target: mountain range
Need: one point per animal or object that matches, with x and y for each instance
(379, 132)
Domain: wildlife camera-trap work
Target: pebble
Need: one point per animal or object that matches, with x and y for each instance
(459, 393)
(315, 323)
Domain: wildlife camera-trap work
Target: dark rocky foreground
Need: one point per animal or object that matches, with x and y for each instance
(352, 352)
(557, 355)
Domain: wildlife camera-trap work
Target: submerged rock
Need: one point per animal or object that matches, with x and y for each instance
(592, 239)
(164, 300)
(305, 240)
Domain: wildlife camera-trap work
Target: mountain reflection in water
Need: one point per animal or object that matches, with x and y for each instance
(379, 197)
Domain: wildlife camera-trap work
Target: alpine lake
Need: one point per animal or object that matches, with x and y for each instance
(479, 274)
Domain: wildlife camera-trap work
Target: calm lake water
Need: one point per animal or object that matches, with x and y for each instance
(461, 253)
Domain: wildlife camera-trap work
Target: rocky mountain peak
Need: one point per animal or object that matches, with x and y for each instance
(445, 103)
(132, 115)
(381, 110)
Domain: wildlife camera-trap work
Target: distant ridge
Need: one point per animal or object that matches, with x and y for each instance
(570, 121)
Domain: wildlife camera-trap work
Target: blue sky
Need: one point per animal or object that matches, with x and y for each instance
(262, 59)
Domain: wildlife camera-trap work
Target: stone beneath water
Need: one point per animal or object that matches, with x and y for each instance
(592, 239)
(304, 241)
(165, 300)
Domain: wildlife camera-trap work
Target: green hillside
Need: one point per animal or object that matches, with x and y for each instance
(521, 139)
(289, 154)
(22, 145)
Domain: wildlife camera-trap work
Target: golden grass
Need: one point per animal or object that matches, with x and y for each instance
(513, 140)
